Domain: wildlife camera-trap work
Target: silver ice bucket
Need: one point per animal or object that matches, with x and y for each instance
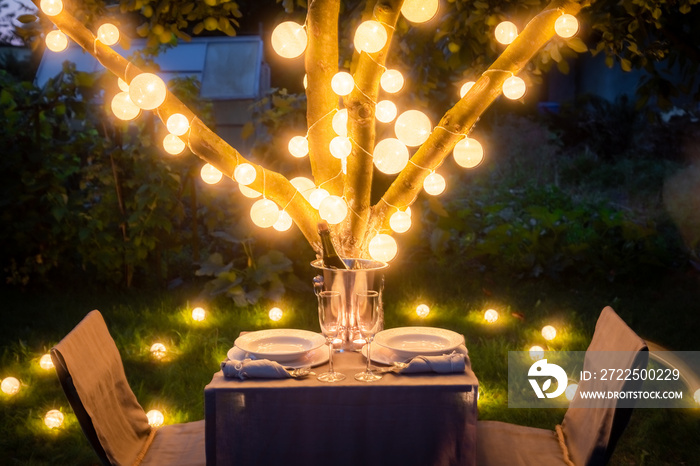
(361, 275)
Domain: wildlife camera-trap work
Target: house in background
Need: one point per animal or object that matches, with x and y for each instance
(231, 70)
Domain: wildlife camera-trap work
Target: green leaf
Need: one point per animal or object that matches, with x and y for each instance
(26, 19)
(626, 64)
(577, 45)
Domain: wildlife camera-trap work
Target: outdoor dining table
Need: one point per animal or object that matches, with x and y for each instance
(402, 419)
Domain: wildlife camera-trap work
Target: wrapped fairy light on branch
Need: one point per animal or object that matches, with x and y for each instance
(289, 39)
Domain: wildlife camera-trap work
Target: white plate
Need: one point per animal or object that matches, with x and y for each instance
(312, 358)
(279, 344)
(382, 355)
(408, 342)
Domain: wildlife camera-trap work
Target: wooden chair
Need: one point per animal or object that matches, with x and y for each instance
(91, 373)
(587, 436)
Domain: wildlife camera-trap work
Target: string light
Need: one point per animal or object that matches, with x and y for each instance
(173, 145)
(305, 81)
(419, 11)
(155, 418)
(46, 362)
(342, 83)
(536, 353)
(400, 222)
(210, 174)
(340, 147)
(248, 192)
(422, 310)
(333, 209)
(412, 127)
(468, 153)
(370, 37)
(340, 122)
(147, 91)
(491, 316)
(56, 41)
(316, 196)
(514, 87)
(245, 174)
(10, 385)
(158, 350)
(123, 86)
(198, 314)
(289, 39)
(108, 34)
(390, 156)
(264, 213)
(275, 314)
(53, 419)
(566, 26)
(391, 81)
(284, 222)
(386, 111)
(51, 7)
(465, 88)
(549, 332)
(434, 184)
(177, 124)
(298, 146)
(123, 108)
(383, 248)
(506, 32)
(304, 185)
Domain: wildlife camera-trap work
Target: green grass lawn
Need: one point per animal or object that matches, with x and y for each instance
(665, 310)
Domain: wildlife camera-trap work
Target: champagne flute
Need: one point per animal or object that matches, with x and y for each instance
(331, 320)
(369, 318)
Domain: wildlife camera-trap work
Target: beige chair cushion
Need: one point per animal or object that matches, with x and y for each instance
(177, 444)
(500, 443)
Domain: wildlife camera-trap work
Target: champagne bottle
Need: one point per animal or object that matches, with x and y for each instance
(331, 258)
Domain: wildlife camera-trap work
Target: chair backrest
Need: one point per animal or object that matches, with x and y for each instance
(92, 375)
(592, 433)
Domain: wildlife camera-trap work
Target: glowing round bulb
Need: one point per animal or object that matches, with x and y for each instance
(210, 174)
(53, 419)
(284, 222)
(108, 34)
(248, 192)
(123, 86)
(289, 39)
(264, 213)
(177, 124)
(400, 222)
(317, 196)
(245, 174)
(123, 108)
(158, 350)
(434, 184)
(10, 385)
(155, 418)
(386, 111)
(696, 396)
(419, 11)
(408, 211)
(298, 146)
(570, 391)
(370, 37)
(412, 127)
(465, 88)
(275, 314)
(56, 41)
(340, 122)
(390, 156)
(147, 91)
(306, 81)
(391, 81)
(340, 147)
(549, 332)
(422, 310)
(333, 209)
(198, 314)
(173, 144)
(536, 353)
(342, 83)
(51, 7)
(506, 32)
(383, 248)
(566, 26)
(46, 362)
(514, 87)
(304, 185)
(468, 153)
(491, 316)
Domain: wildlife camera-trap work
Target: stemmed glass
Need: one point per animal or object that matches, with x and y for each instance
(330, 319)
(369, 318)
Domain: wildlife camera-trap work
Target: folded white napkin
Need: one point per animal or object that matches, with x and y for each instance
(444, 364)
(253, 369)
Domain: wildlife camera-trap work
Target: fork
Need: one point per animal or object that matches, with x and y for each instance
(395, 367)
(300, 372)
